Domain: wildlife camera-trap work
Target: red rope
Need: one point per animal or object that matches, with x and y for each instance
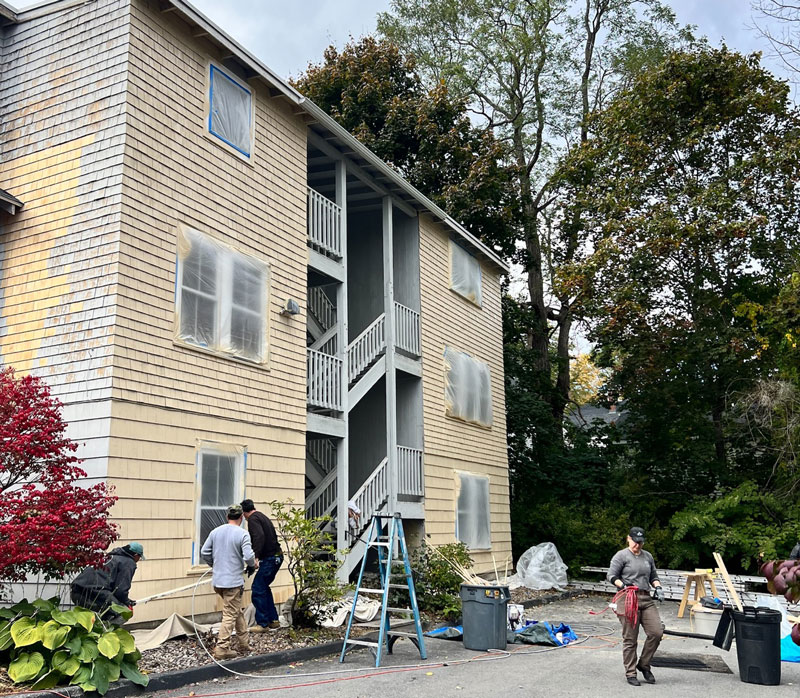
(631, 603)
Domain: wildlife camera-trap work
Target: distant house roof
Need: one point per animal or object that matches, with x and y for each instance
(326, 128)
(9, 203)
(587, 414)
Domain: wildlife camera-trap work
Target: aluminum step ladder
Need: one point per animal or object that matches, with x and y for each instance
(385, 542)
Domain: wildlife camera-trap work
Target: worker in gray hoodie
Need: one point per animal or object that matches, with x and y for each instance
(228, 550)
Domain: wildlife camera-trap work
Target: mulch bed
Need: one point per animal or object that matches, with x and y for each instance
(186, 652)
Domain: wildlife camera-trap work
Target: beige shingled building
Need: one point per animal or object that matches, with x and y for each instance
(232, 296)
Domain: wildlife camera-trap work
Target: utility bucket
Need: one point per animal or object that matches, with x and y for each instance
(758, 645)
(484, 611)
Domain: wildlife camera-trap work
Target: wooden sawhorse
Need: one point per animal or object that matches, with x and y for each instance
(699, 578)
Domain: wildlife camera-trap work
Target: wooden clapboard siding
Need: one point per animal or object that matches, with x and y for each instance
(152, 461)
(175, 174)
(168, 397)
(451, 444)
(62, 103)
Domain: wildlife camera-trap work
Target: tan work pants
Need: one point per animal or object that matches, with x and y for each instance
(232, 617)
(653, 629)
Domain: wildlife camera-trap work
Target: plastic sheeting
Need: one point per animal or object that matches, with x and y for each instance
(465, 274)
(540, 567)
(472, 520)
(468, 388)
(222, 298)
(220, 484)
(231, 111)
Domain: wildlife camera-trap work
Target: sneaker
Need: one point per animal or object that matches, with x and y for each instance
(223, 653)
(647, 674)
(258, 629)
(632, 680)
(274, 625)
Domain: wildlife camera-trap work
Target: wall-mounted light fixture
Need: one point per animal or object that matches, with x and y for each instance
(290, 307)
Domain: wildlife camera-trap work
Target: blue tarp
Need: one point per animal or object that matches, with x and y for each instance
(789, 651)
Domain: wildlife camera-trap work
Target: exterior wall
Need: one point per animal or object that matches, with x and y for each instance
(451, 444)
(62, 114)
(167, 396)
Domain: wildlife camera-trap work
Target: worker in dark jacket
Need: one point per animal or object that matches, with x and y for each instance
(270, 558)
(97, 588)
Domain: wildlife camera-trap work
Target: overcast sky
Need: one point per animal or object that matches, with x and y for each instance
(287, 36)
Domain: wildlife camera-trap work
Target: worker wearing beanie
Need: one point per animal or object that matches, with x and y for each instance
(635, 567)
(228, 549)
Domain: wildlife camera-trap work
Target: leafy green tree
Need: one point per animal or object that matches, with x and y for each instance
(534, 70)
(687, 192)
(373, 90)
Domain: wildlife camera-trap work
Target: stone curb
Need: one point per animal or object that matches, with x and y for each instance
(182, 677)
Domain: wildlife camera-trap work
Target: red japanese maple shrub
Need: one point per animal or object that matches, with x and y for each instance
(49, 523)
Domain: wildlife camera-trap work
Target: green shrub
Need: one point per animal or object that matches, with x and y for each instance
(435, 582)
(43, 646)
(310, 559)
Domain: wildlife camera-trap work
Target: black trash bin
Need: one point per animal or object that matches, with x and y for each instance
(758, 645)
(484, 611)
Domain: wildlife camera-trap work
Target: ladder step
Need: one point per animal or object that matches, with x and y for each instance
(371, 591)
(399, 622)
(400, 610)
(376, 544)
(398, 586)
(365, 643)
(401, 633)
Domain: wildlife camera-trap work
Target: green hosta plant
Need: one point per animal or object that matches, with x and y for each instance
(43, 646)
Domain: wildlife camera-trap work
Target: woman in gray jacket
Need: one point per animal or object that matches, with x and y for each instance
(634, 569)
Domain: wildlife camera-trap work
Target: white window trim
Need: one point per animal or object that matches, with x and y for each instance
(478, 302)
(483, 476)
(219, 449)
(215, 138)
(223, 300)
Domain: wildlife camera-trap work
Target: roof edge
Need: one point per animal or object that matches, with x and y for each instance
(335, 128)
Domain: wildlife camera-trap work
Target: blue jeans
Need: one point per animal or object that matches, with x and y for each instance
(261, 594)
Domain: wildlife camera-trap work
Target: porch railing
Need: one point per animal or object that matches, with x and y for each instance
(409, 469)
(365, 348)
(324, 381)
(323, 451)
(372, 495)
(321, 307)
(324, 225)
(406, 327)
(322, 501)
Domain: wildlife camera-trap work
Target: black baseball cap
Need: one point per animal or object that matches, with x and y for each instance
(637, 534)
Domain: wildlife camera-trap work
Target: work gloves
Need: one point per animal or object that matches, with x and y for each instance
(658, 594)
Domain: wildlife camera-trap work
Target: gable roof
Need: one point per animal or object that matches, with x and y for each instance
(319, 122)
(9, 203)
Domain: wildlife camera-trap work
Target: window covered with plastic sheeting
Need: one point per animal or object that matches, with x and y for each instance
(472, 515)
(231, 111)
(221, 298)
(220, 483)
(468, 388)
(465, 274)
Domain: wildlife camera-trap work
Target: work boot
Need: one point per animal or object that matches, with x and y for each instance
(258, 629)
(648, 675)
(274, 625)
(244, 647)
(222, 653)
(632, 680)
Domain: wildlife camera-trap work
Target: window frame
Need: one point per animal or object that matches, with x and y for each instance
(455, 249)
(224, 299)
(470, 516)
(209, 102)
(239, 453)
